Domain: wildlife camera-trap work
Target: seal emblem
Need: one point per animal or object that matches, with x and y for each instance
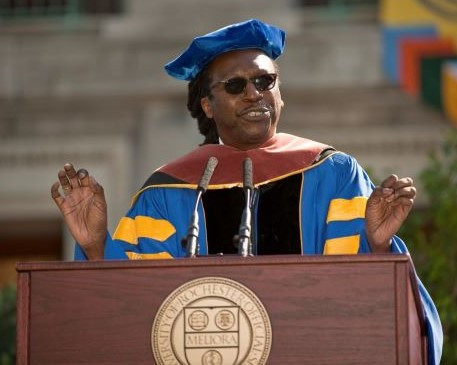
(211, 321)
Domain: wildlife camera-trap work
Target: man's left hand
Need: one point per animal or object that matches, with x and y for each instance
(387, 208)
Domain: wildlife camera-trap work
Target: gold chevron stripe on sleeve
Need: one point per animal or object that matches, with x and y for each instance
(129, 230)
(348, 245)
(347, 209)
(148, 256)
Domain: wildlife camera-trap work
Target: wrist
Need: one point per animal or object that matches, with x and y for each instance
(380, 247)
(95, 251)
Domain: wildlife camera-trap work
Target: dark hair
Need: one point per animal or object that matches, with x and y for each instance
(198, 88)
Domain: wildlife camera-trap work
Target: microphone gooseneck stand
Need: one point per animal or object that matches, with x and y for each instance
(191, 240)
(244, 233)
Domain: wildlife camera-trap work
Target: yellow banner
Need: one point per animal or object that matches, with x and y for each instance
(449, 91)
(441, 13)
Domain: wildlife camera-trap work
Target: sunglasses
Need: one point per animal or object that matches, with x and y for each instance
(237, 85)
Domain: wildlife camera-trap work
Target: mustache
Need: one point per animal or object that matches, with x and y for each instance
(263, 108)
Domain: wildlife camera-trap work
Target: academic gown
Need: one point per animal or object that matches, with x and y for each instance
(308, 199)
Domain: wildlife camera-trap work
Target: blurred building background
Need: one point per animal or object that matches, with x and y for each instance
(83, 81)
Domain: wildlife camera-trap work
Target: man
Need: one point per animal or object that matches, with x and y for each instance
(308, 198)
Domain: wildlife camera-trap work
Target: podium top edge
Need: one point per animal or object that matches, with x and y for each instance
(225, 260)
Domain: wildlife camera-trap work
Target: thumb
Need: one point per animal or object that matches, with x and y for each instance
(379, 194)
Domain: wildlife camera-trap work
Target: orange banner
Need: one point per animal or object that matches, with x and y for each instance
(411, 52)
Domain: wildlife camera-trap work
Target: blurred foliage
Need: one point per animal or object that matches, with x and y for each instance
(8, 325)
(431, 236)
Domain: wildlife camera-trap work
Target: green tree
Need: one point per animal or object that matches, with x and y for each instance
(431, 236)
(8, 325)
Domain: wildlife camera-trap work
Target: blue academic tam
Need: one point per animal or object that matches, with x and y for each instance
(251, 34)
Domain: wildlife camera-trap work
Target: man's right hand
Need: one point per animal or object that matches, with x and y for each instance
(83, 206)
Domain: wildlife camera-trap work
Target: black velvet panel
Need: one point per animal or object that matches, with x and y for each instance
(161, 178)
(278, 217)
(223, 209)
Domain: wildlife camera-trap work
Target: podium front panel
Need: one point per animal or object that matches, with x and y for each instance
(323, 310)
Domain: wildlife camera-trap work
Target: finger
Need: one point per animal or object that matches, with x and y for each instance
(404, 182)
(83, 177)
(406, 192)
(99, 195)
(403, 201)
(71, 174)
(387, 191)
(390, 181)
(381, 193)
(56, 194)
(63, 179)
(95, 186)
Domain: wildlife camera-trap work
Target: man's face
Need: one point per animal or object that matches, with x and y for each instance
(248, 119)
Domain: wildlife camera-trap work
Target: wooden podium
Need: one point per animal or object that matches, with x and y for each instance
(361, 309)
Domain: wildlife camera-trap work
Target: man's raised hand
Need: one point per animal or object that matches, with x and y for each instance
(387, 208)
(83, 206)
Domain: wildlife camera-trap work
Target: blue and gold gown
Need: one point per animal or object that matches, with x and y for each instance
(308, 199)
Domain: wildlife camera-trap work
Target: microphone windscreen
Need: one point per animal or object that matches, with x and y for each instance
(208, 173)
(247, 173)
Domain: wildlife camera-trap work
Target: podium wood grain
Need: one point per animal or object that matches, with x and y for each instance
(323, 310)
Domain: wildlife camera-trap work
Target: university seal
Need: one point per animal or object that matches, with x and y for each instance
(211, 321)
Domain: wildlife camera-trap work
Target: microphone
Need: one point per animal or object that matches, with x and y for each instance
(191, 239)
(244, 233)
